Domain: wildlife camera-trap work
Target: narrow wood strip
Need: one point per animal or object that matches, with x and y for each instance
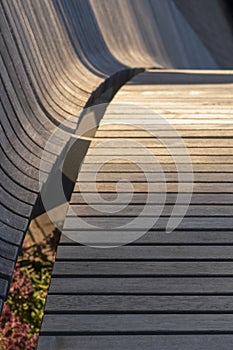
(146, 253)
(135, 303)
(78, 269)
(149, 285)
(91, 324)
(137, 342)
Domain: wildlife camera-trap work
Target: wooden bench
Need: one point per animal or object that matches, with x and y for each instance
(58, 57)
(163, 290)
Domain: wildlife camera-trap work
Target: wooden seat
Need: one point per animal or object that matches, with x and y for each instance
(58, 57)
(162, 290)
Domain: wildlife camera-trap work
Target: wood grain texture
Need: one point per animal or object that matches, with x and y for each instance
(145, 324)
(146, 252)
(174, 283)
(58, 57)
(142, 285)
(138, 303)
(44, 82)
(138, 342)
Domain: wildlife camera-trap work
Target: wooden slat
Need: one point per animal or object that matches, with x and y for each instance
(140, 198)
(149, 324)
(147, 253)
(77, 268)
(137, 342)
(44, 83)
(111, 151)
(11, 235)
(201, 223)
(3, 287)
(140, 177)
(163, 159)
(190, 143)
(142, 285)
(6, 267)
(130, 167)
(171, 187)
(134, 210)
(177, 237)
(138, 303)
(217, 131)
(160, 283)
(8, 250)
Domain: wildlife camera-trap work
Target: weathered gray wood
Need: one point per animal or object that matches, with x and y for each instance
(13, 219)
(190, 143)
(53, 56)
(3, 287)
(177, 237)
(138, 303)
(135, 210)
(201, 223)
(216, 131)
(163, 159)
(146, 252)
(43, 83)
(10, 234)
(77, 268)
(6, 267)
(202, 168)
(170, 177)
(150, 285)
(123, 324)
(8, 250)
(160, 151)
(171, 187)
(140, 198)
(186, 273)
(137, 342)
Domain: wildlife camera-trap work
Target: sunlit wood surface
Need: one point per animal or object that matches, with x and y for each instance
(162, 291)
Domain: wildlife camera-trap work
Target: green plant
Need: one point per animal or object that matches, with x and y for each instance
(27, 295)
(15, 335)
(22, 313)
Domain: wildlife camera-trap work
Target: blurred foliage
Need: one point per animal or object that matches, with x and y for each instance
(22, 313)
(15, 335)
(27, 295)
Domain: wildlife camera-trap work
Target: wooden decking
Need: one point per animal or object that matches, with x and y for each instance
(162, 291)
